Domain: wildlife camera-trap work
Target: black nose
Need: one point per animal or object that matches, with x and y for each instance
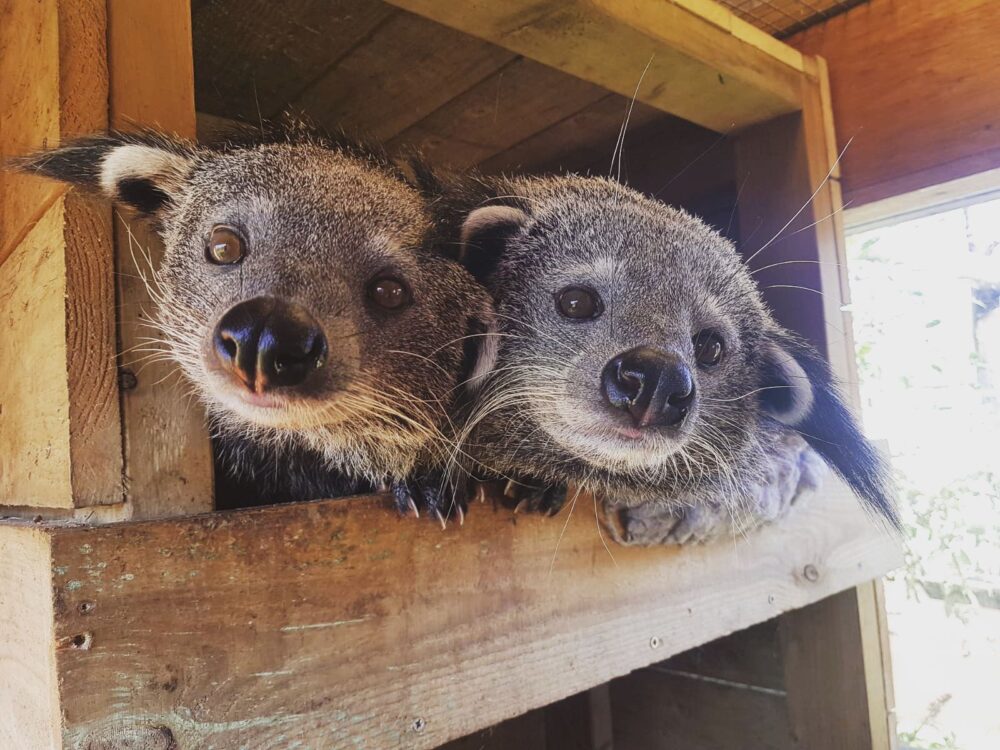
(267, 343)
(653, 386)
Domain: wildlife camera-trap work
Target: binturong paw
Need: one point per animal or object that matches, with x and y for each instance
(793, 470)
(430, 495)
(529, 497)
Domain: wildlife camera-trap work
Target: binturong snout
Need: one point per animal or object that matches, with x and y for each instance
(654, 386)
(266, 343)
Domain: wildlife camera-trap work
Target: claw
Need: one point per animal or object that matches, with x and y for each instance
(440, 518)
(510, 489)
(480, 493)
(460, 514)
(413, 508)
(522, 505)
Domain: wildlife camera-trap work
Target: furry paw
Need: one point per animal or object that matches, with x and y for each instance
(534, 499)
(793, 470)
(430, 495)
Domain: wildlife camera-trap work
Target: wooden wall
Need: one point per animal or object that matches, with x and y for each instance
(916, 86)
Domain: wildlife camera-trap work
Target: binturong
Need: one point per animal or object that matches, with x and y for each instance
(302, 297)
(637, 360)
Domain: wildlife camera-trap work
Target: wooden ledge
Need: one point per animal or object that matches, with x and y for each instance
(336, 623)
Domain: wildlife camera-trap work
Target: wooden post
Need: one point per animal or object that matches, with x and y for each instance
(168, 458)
(60, 432)
(835, 651)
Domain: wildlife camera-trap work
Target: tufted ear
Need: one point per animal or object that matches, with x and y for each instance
(798, 390)
(484, 236)
(144, 170)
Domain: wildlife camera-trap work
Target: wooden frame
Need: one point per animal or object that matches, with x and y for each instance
(334, 619)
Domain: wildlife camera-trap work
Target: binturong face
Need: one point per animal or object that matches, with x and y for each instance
(295, 290)
(635, 349)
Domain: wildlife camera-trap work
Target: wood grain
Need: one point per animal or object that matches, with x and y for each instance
(59, 91)
(397, 75)
(34, 398)
(28, 688)
(512, 104)
(699, 69)
(914, 87)
(168, 458)
(243, 627)
(253, 59)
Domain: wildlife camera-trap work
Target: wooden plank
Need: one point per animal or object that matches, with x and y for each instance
(61, 92)
(29, 700)
(168, 458)
(402, 72)
(697, 69)
(512, 104)
(837, 689)
(576, 139)
(253, 59)
(237, 628)
(750, 657)
(927, 52)
(655, 710)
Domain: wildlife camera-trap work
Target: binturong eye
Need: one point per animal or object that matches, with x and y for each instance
(225, 246)
(579, 303)
(389, 293)
(708, 348)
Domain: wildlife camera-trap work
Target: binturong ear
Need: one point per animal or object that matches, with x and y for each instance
(484, 237)
(799, 391)
(143, 170)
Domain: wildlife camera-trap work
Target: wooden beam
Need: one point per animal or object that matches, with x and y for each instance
(60, 431)
(168, 459)
(702, 65)
(29, 699)
(236, 628)
(911, 127)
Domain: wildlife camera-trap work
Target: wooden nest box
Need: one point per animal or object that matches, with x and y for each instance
(132, 615)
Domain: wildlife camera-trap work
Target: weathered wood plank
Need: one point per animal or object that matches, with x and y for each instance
(242, 627)
(399, 74)
(512, 104)
(698, 68)
(29, 700)
(168, 458)
(253, 59)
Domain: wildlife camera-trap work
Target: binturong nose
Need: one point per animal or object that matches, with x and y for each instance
(266, 343)
(655, 387)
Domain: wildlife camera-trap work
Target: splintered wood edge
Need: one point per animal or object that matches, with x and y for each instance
(337, 621)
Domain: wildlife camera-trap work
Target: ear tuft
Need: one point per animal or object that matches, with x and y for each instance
(144, 170)
(798, 390)
(484, 236)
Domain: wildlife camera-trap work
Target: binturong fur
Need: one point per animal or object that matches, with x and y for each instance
(637, 360)
(301, 295)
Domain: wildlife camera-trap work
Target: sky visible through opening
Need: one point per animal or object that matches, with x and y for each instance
(926, 307)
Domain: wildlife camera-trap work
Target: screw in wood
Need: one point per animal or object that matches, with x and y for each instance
(85, 608)
(654, 642)
(419, 725)
(127, 379)
(811, 573)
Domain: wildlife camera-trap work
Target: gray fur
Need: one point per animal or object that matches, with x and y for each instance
(663, 276)
(320, 221)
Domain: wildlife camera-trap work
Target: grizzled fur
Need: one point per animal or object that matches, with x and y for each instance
(321, 219)
(664, 276)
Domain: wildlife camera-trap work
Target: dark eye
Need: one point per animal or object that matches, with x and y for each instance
(389, 293)
(579, 302)
(225, 246)
(708, 348)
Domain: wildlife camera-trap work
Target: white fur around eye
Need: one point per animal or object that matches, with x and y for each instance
(137, 162)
